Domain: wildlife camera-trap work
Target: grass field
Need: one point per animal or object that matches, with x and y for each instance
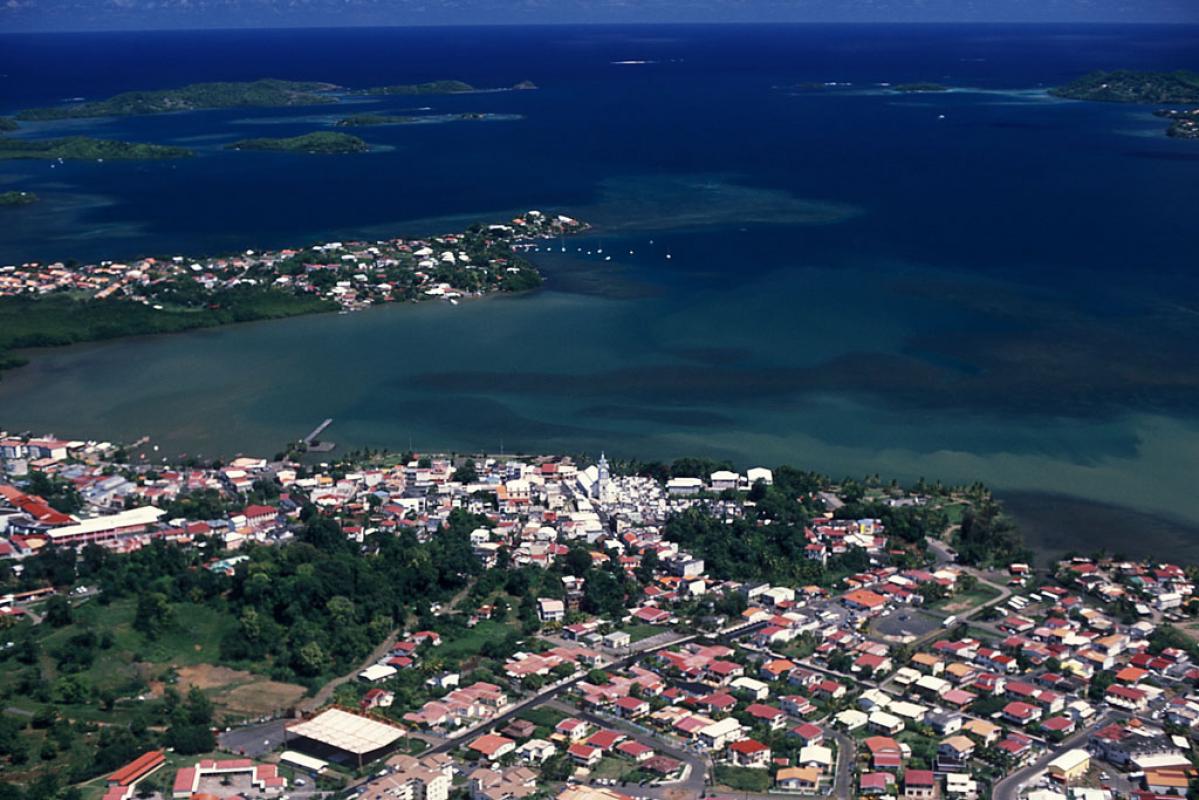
(964, 601)
(542, 716)
(638, 632)
(132, 656)
(469, 641)
(743, 779)
(135, 664)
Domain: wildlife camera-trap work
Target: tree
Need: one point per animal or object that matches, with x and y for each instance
(153, 615)
(466, 473)
(58, 611)
(197, 708)
(311, 659)
(603, 594)
(577, 561)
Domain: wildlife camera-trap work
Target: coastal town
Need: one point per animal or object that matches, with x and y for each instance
(595, 631)
(353, 274)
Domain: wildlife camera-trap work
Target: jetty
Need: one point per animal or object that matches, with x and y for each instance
(312, 441)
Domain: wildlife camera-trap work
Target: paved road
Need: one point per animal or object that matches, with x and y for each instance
(326, 691)
(256, 740)
(1009, 788)
(696, 777)
(544, 696)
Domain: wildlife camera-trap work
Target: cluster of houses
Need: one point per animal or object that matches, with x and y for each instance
(352, 274)
(1160, 588)
(796, 686)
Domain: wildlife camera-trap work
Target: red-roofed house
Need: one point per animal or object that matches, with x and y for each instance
(750, 753)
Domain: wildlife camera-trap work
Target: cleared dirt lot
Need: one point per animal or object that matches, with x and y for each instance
(238, 694)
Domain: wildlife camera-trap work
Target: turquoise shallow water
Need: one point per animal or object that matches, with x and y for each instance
(983, 284)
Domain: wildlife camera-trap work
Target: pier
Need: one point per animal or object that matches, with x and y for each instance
(312, 441)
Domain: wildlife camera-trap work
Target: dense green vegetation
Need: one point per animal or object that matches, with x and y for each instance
(264, 93)
(988, 537)
(920, 87)
(320, 142)
(1128, 86)
(303, 612)
(17, 198)
(432, 87)
(59, 320)
(87, 148)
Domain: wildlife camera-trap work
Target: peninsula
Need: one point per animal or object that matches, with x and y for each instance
(265, 93)
(365, 120)
(54, 304)
(317, 143)
(1183, 124)
(11, 199)
(1128, 86)
(77, 148)
(432, 87)
(912, 88)
(435, 87)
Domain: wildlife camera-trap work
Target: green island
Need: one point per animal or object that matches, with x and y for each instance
(8, 124)
(1183, 124)
(11, 199)
(87, 148)
(1129, 86)
(920, 87)
(364, 120)
(265, 93)
(319, 143)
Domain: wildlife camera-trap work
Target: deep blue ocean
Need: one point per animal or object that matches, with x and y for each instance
(982, 283)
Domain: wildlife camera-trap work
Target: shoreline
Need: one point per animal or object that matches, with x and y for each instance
(1045, 519)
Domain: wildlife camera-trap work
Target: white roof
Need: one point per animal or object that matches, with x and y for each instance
(309, 763)
(377, 672)
(145, 515)
(722, 728)
(349, 732)
(885, 720)
(751, 684)
(933, 684)
(684, 483)
(817, 753)
(876, 698)
(1160, 760)
(908, 710)
(852, 718)
(724, 475)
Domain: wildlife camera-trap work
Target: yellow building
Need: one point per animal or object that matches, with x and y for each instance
(1070, 765)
